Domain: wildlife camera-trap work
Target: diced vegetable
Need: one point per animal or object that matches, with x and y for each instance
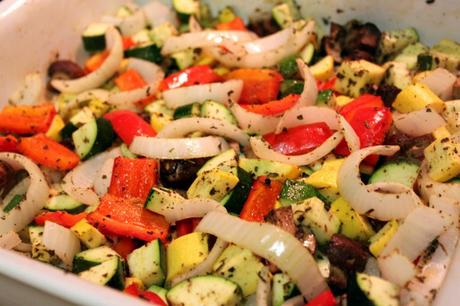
(416, 97)
(26, 119)
(148, 263)
(273, 107)
(60, 217)
(354, 76)
(191, 76)
(88, 234)
(93, 137)
(128, 125)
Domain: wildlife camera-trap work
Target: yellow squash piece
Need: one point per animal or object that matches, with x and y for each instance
(443, 157)
(326, 176)
(88, 234)
(380, 240)
(186, 252)
(353, 77)
(342, 100)
(134, 280)
(55, 128)
(416, 97)
(324, 69)
(262, 167)
(214, 184)
(98, 107)
(354, 226)
(441, 132)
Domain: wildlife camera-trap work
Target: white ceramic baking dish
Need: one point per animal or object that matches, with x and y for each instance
(33, 32)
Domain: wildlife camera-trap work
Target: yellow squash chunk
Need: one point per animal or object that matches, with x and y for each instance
(452, 115)
(443, 157)
(342, 100)
(88, 234)
(214, 184)
(380, 240)
(353, 77)
(326, 176)
(98, 107)
(441, 132)
(55, 128)
(324, 69)
(416, 97)
(134, 280)
(261, 167)
(186, 252)
(354, 226)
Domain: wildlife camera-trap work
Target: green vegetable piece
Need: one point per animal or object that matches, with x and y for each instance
(296, 191)
(288, 67)
(13, 203)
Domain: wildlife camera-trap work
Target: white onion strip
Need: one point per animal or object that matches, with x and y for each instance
(264, 288)
(79, 182)
(306, 115)
(102, 74)
(224, 93)
(310, 88)
(205, 266)
(429, 187)
(350, 135)
(35, 199)
(178, 148)
(181, 127)
(382, 201)
(9, 240)
(103, 177)
(271, 243)
(252, 122)
(418, 230)
(396, 268)
(62, 241)
(262, 150)
(269, 50)
(441, 82)
(418, 123)
(150, 72)
(132, 24)
(157, 13)
(204, 39)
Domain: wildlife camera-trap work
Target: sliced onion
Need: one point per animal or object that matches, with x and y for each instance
(372, 267)
(225, 93)
(262, 150)
(310, 88)
(35, 199)
(264, 288)
(31, 91)
(103, 177)
(441, 82)
(396, 268)
(178, 148)
(9, 240)
(182, 127)
(382, 201)
(252, 122)
(157, 13)
(204, 39)
(429, 187)
(295, 301)
(422, 289)
(307, 115)
(350, 135)
(451, 114)
(271, 243)
(419, 229)
(100, 75)
(62, 241)
(193, 25)
(205, 266)
(132, 24)
(268, 51)
(447, 207)
(150, 72)
(79, 182)
(418, 123)
(192, 208)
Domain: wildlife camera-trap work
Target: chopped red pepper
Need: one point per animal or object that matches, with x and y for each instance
(150, 296)
(127, 124)
(60, 217)
(237, 24)
(47, 152)
(325, 298)
(128, 42)
(365, 100)
(26, 119)
(329, 84)
(201, 74)
(273, 107)
(124, 246)
(128, 218)
(260, 85)
(261, 200)
(8, 144)
(300, 139)
(95, 61)
(129, 80)
(186, 226)
(133, 177)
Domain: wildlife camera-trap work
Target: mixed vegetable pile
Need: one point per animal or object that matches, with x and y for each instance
(200, 160)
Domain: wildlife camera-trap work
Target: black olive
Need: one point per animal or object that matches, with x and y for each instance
(388, 94)
(65, 69)
(180, 173)
(347, 254)
(263, 26)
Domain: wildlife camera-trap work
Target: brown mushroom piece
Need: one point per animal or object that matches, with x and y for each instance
(282, 218)
(347, 254)
(180, 173)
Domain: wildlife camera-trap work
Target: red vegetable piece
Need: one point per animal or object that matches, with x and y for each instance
(60, 217)
(129, 80)
(201, 74)
(325, 298)
(261, 200)
(8, 143)
(273, 107)
(26, 119)
(237, 24)
(124, 246)
(127, 124)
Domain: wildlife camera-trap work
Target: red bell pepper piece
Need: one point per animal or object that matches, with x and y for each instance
(128, 42)
(300, 139)
(150, 296)
(8, 144)
(128, 218)
(133, 177)
(237, 24)
(129, 80)
(202, 74)
(259, 85)
(186, 226)
(124, 246)
(329, 84)
(60, 217)
(261, 200)
(26, 119)
(95, 61)
(365, 100)
(273, 107)
(325, 298)
(47, 152)
(127, 124)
